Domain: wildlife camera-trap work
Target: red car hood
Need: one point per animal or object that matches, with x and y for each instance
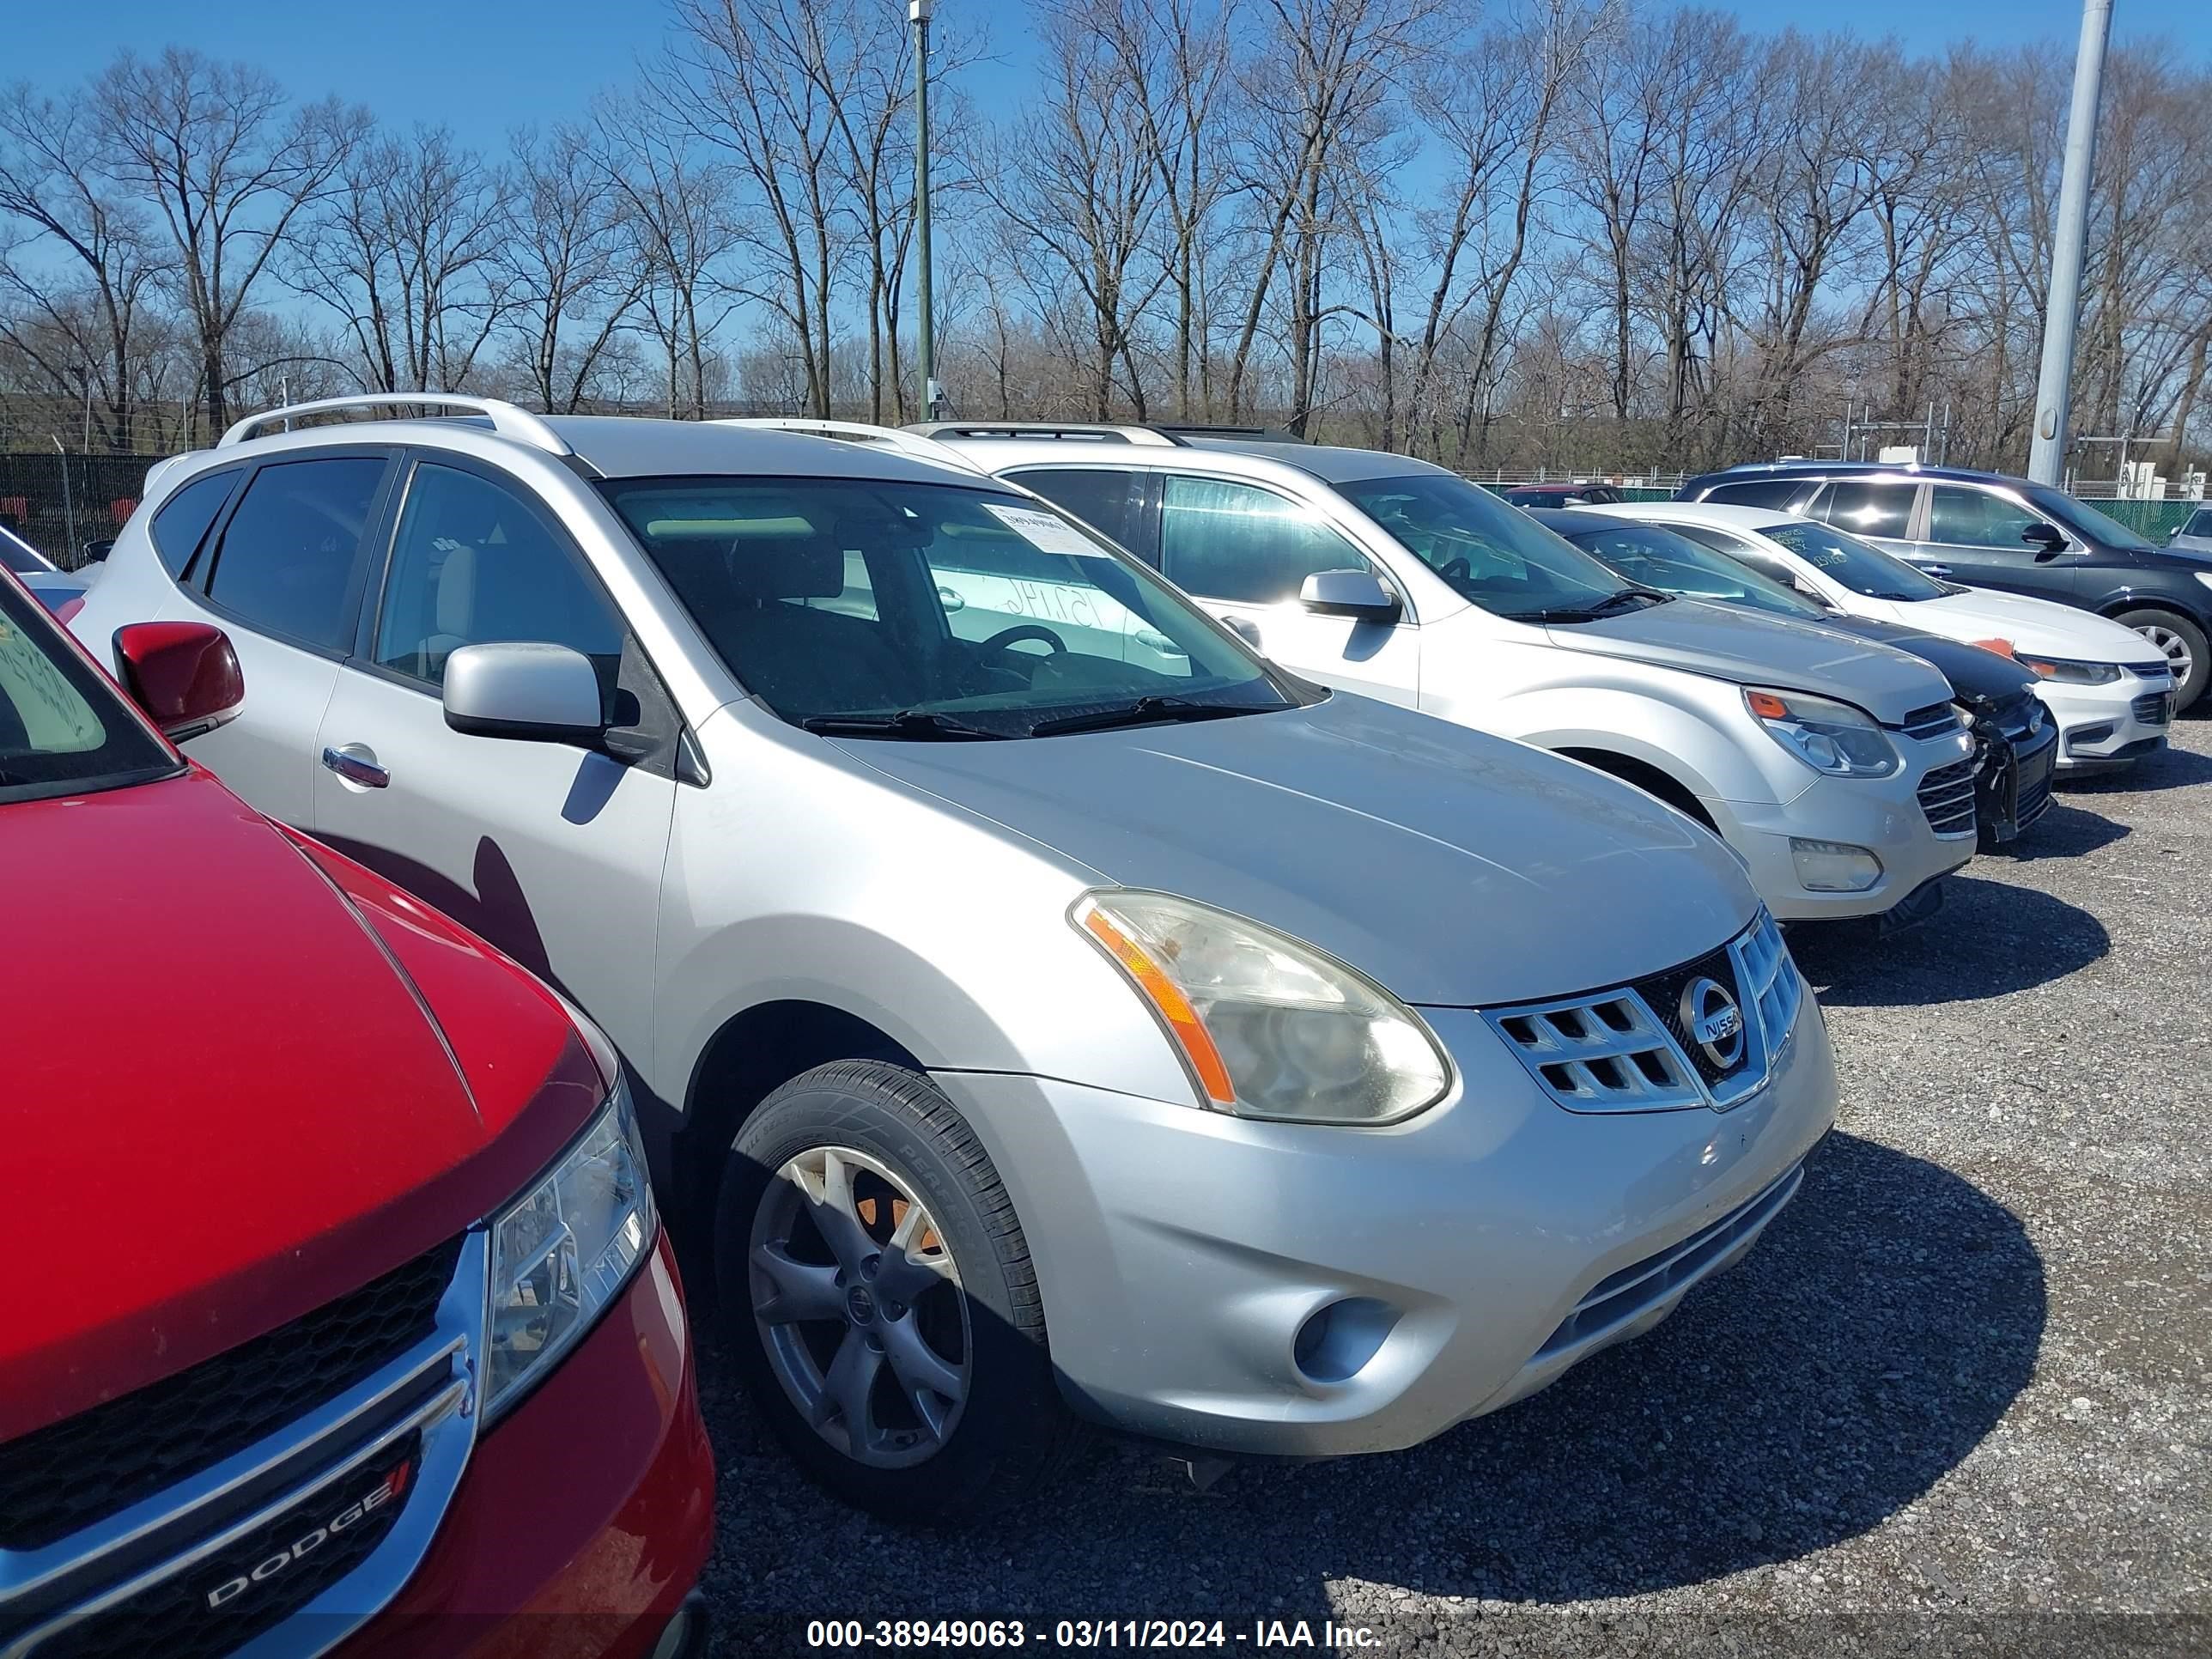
(248, 1076)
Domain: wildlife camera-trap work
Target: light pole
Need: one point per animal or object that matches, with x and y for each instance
(2054, 386)
(917, 12)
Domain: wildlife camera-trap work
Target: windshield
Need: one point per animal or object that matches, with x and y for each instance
(63, 730)
(18, 555)
(1486, 549)
(1860, 566)
(2083, 520)
(930, 610)
(1673, 564)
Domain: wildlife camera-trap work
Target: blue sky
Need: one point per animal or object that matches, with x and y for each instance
(484, 66)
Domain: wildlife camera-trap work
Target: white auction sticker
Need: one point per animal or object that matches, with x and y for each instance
(1046, 531)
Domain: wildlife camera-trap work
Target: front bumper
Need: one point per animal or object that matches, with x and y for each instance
(2100, 727)
(2014, 790)
(1501, 1237)
(1881, 815)
(586, 1516)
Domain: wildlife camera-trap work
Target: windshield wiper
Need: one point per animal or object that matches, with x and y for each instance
(1605, 607)
(1143, 712)
(916, 725)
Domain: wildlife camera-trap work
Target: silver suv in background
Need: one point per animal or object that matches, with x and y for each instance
(1050, 1010)
(1837, 768)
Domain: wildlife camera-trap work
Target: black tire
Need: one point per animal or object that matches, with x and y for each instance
(1012, 1432)
(2187, 691)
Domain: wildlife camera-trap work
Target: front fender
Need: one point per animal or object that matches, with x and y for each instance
(1699, 735)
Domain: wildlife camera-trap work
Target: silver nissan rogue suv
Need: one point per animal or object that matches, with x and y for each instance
(1050, 1010)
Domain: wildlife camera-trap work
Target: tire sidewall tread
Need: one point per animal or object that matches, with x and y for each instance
(1015, 1433)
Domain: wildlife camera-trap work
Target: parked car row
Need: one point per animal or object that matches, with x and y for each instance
(1067, 923)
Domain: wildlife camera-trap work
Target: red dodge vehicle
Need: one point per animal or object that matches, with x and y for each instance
(336, 1315)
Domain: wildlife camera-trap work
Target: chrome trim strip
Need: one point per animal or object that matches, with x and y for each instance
(448, 1423)
(426, 1417)
(24, 1571)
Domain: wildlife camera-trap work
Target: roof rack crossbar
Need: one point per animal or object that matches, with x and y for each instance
(852, 432)
(507, 419)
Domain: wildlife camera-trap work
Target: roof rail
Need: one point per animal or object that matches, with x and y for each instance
(853, 432)
(506, 419)
(1108, 432)
(1272, 435)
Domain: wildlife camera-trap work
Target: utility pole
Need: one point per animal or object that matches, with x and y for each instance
(917, 13)
(2054, 387)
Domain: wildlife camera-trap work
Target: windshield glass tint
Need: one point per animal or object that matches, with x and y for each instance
(63, 731)
(1659, 558)
(1843, 558)
(834, 597)
(1489, 552)
(2083, 520)
(19, 558)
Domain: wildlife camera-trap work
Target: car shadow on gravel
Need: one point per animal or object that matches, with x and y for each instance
(1868, 1344)
(2169, 768)
(1990, 939)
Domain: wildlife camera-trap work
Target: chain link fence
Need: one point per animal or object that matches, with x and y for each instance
(63, 503)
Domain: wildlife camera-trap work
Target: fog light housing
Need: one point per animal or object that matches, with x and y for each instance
(1833, 866)
(1336, 1342)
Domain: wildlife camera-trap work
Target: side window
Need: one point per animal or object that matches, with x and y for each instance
(1776, 493)
(472, 563)
(1105, 499)
(186, 517)
(1974, 517)
(1234, 541)
(1867, 509)
(287, 558)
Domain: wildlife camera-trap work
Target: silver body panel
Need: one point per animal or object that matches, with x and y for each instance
(925, 889)
(1661, 689)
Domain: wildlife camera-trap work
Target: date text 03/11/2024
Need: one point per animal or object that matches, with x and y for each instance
(1259, 1635)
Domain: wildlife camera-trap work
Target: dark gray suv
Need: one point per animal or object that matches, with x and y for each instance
(1986, 530)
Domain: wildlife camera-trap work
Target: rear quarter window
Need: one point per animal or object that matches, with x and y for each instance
(183, 522)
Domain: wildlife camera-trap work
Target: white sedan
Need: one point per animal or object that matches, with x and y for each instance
(2112, 698)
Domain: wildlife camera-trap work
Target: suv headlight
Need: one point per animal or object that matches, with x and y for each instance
(563, 1251)
(1268, 1026)
(1828, 736)
(2067, 672)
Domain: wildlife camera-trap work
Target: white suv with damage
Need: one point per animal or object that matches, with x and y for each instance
(1837, 768)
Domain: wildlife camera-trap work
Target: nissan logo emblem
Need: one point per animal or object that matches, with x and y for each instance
(1715, 1022)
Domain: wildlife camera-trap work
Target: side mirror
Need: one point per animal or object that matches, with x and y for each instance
(184, 674)
(95, 552)
(1359, 594)
(1243, 628)
(536, 693)
(2047, 539)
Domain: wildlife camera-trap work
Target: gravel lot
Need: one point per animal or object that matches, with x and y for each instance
(1956, 1401)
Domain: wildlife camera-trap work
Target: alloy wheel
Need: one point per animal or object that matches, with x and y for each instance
(2173, 647)
(858, 1303)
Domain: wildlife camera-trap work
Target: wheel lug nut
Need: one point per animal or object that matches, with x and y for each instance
(872, 1267)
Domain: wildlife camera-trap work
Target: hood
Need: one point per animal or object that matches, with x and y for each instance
(1751, 647)
(1974, 672)
(2195, 549)
(2036, 626)
(240, 1105)
(1450, 865)
(54, 588)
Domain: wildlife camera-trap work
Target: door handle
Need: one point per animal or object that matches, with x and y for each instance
(1941, 572)
(357, 763)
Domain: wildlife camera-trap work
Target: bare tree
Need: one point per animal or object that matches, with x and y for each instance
(226, 168)
(571, 276)
(76, 266)
(403, 251)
